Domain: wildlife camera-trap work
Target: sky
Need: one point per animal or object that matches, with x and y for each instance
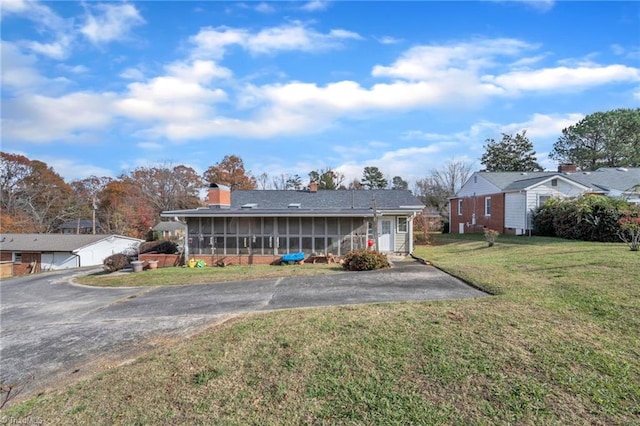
(100, 88)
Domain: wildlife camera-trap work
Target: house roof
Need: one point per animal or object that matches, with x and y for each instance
(51, 242)
(303, 203)
(170, 226)
(78, 223)
(605, 179)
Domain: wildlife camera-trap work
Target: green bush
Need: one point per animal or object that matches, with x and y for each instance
(587, 218)
(364, 260)
(115, 262)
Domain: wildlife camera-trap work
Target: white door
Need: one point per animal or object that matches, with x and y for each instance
(461, 228)
(385, 239)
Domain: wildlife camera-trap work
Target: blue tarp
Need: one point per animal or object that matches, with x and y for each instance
(293, 257)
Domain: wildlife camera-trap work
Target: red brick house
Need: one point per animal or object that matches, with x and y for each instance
(505, 201)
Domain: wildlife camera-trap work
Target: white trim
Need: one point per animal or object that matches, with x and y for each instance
(487, 203)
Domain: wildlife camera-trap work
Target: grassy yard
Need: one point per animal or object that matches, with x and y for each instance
(207, 275)
(558, 344)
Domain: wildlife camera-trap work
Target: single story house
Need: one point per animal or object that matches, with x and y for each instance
(29, 253)
(505, 201)
(169, 229)
(260, 226)
(79, 226)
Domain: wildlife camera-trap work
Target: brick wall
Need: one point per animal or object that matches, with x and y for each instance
(477, 205)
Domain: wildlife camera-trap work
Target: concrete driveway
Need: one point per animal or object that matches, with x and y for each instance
(53, 331)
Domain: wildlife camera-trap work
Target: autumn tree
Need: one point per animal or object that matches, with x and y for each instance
(355, 184)
(398, 183)
(230, 172)
(168, 187)
(125, 210)
(34, 196)
(511, 154)
(372, 178)
(602, 139)
(326, 178)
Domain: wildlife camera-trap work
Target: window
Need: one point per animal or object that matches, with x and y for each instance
(459, 207)
(543, 199)
(17, 257)
(487, 206)
(402, 224)
(554, 182)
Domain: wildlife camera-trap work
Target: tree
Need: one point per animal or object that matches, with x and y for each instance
(355, 184)
(452, 175)
(602, 139)
(372, 178)
(326, 178)
(398, 183)
(434, 191)
(263, 180)
(167, 187)
(230, 172)
(511, 154)
(34, 197)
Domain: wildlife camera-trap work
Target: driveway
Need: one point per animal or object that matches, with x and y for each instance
(53, 331)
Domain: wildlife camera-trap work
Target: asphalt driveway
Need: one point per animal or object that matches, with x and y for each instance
(53, 330)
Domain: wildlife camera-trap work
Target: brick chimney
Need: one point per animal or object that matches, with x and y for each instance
(313, 186)
(219, 196)
(567, 168)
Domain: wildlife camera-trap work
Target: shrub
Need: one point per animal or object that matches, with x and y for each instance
(115, 262)
(364, 260)
(491, 235)
(630, 231)
(160, 246)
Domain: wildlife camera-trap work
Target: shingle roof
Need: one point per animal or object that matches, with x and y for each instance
(606, 178)
(330, 202)
(50, 242)
(78, 223)
(170, 226)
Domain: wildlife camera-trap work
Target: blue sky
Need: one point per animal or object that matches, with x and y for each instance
(99, 88)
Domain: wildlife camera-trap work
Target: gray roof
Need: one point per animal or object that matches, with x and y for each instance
(605, 179)
(50, 242)
(170, 226)
(322, 202)
(78, 223)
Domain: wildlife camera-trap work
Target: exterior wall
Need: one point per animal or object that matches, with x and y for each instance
(403, 240)
(515, 212)
(474, 206)
(24, 267)
(275, 236)
(477, 185)
(94, 254)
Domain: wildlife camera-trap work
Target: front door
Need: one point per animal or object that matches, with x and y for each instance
(385, 239)
(461, 228)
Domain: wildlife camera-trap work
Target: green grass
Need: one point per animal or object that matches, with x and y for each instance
(558, 344)
(207, 275)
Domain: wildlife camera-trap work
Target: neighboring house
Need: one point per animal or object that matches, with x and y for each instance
(48, 252)
(79, 226)
(505, 201)
(265, 224)
(169, 229)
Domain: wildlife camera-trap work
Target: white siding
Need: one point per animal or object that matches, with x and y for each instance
(477, 185)
(94, 254)
(515, 211)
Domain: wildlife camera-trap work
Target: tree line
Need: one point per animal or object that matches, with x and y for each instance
(34, 198)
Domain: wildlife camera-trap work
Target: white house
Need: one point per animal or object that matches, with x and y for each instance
(49, 252)
(505, 201)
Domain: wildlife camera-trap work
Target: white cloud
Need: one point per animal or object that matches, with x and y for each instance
(213, 42)
(18, 70)
(563, 78)
(73, 69)
(315, 6)
(543, 125)
(38, 118)
(75, 170)
(265, 8)
(111, 22)
(132, 74)
(389, 40)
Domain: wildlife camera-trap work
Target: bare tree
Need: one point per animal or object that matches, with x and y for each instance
(452, 175)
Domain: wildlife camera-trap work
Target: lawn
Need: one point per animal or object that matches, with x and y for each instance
(558, 344)
(206, 275)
